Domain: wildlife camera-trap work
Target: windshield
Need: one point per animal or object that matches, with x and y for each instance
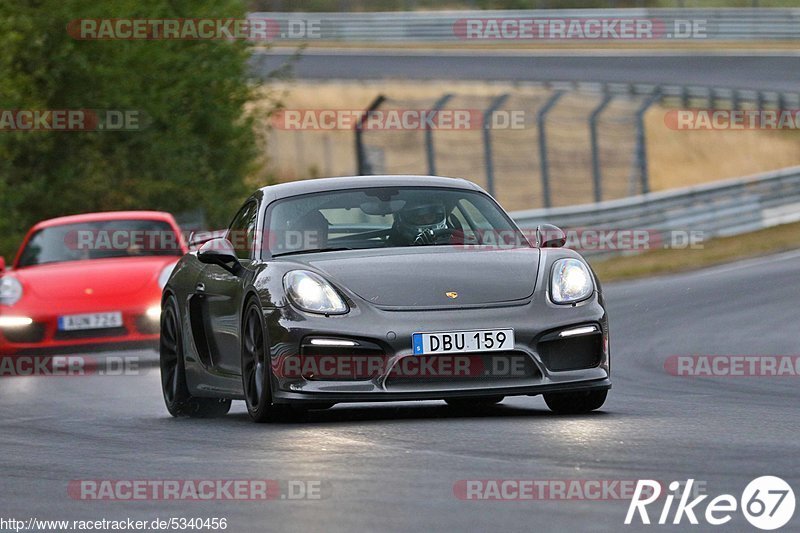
(383, 217)
(100, 240)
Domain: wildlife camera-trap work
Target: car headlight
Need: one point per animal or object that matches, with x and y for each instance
(570, 281)
(163, 278)
(310, 292)
(10, 290)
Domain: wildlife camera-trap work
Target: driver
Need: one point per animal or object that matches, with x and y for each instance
(421, 223)
(307, 232)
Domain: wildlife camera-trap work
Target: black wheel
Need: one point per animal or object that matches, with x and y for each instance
(474, 403)
(173, 373)
(575, 403)
(255, 366)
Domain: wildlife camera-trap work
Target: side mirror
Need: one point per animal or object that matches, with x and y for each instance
(550, 236)
(2, 264)
(220, 252)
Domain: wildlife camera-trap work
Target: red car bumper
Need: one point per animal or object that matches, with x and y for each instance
(44, 335)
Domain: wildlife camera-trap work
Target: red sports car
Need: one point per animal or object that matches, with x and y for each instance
(87, 280)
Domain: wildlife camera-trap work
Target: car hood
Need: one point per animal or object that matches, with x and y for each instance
(422, 277)
(99, 277)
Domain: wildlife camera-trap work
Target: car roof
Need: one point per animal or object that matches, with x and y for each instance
(108, 215)
(295, 188)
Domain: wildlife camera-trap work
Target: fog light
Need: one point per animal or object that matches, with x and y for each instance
(15, 321)
(578, 331)
(333, 342)
(154, 312)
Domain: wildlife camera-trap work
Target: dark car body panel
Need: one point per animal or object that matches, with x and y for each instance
(507, 278)
(392, 293)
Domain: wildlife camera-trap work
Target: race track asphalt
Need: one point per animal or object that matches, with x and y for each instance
(773, 71)
(393, 467)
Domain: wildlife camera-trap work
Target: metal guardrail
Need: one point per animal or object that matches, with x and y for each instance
(731, 207)
(734, 24)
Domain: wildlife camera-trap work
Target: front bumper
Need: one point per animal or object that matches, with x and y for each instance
(43, 336)
(550, 365)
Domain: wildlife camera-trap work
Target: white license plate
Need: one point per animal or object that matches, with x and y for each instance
(90, 321)
(484, 340)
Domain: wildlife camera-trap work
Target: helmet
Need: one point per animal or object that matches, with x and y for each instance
(418, 219)
(307, 232)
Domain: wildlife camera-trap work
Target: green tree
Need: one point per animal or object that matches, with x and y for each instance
(197, 144)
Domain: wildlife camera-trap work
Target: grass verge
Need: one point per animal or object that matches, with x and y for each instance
(717, 251)
(677, 158)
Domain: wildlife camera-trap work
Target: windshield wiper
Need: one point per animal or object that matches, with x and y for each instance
(313, 251)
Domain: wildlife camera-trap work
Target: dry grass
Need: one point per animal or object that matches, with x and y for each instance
(684, 158)
(676, 158)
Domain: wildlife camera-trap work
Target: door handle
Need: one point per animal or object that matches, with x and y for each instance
(200, 287)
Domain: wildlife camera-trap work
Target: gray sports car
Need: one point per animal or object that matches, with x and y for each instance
(380, 288)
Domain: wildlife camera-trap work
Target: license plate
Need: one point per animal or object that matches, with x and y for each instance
(485, 340)
(90, 321)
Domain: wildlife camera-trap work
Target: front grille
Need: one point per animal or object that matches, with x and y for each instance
(463, 369)
(32, 333)
(572, 353)
(90, 333)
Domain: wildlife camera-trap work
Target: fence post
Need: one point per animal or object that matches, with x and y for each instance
(487, 139)
(437, 106)
(641, 147)
(540, 122)
(598, 190)
(361, 154)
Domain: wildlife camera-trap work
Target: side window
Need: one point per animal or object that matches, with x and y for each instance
(474, 216)
(458, 216)
(242, 231)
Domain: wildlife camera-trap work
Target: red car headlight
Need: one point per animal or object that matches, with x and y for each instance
(10, 290)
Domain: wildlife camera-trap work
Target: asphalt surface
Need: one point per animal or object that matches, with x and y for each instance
(393, 467)
(739, 70)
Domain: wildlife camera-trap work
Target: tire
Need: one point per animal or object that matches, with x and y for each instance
(173, 371)
(256, 373)
(474, 403)
(575, 403)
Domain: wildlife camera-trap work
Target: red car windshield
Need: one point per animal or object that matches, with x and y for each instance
(100, 240)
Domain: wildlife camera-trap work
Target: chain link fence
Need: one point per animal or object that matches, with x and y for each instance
(529, 150)
(544, 146)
